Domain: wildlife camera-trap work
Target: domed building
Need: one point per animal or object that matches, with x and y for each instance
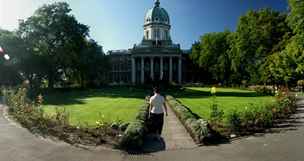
(156, 58)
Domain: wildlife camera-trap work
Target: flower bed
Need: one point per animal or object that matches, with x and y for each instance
(257, 119)
(196, 126)
(31, 116)
(133, 137)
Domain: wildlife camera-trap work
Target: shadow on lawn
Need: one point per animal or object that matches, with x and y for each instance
(192, 93)
(78, 96)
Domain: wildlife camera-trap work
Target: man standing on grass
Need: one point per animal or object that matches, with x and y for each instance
(156, 112)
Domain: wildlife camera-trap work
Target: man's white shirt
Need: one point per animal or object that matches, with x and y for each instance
(157, 102)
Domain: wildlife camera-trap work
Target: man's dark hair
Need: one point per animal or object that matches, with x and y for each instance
(156, 90)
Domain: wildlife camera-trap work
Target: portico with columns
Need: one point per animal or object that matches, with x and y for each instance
(147, 68)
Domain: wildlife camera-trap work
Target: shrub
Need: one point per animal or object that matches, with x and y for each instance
(263, 90)
(300, 83)
(234, 120)
(216, 114)
(256, 118)
(134, 135)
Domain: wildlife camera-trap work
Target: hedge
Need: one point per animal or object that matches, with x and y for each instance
(134, 135)
(196, 126)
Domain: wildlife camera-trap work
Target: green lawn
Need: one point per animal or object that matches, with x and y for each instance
(199, 99)
(86, 107)
(122, 103)
(300, 94)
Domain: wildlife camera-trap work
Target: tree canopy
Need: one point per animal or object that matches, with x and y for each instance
(52, 46)
(267, 47)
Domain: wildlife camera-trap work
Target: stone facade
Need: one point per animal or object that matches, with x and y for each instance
(156, 58)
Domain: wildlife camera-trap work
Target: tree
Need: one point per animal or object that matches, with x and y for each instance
(286, 64)
(295, 47)
(296, 16)
(93, 65)
(277, 69)
(55, 37)
(211, 55)
(257, 34)
(15, 48)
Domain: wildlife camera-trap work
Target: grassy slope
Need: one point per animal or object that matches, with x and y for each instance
(91, 105)
(199, 100)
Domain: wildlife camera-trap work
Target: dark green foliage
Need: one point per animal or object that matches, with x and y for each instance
(258, 32)
(123, 126)
(134, 135)
(92, 66)
(197, 127)
(211, 55)
(216, 114)
(234, 120)
(16, 49)
(296, 16)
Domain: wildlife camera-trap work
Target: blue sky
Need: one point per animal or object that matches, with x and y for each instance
(118, 24)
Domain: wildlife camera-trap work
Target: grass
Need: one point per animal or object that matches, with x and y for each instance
(86, 107)
(300, 94)
(122, 103)
(199, 99)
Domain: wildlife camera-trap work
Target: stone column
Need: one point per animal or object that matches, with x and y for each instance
(133, 71)
(170, 69)
(180, 70)
(161, 68)
(142, 72)
(152, 67)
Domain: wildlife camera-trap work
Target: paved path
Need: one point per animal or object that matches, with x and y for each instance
(174, 133)
(174, 136)
(17, 144)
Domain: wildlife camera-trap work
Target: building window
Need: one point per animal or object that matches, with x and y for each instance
(147, 34)
(157, 34)
(167, 34)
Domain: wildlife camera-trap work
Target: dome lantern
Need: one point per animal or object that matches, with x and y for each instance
(157, 3)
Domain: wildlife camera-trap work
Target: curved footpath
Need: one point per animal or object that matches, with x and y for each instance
(17, 144)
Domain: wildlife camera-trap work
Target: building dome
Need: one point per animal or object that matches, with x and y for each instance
(157, 14)
(157, 24)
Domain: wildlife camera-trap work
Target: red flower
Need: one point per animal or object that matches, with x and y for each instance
(1, 50)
